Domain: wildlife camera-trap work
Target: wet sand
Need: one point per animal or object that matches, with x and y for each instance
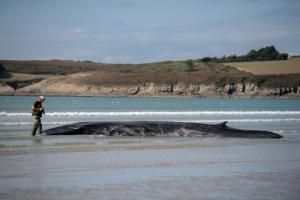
(91, 167)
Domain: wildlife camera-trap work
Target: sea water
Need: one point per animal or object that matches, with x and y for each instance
(95, 167)
(281, 116)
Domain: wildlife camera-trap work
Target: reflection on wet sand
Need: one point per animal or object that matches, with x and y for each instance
(87, 167)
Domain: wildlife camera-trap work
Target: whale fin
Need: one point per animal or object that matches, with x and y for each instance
(223, 124)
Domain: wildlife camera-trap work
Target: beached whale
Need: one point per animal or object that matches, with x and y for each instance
(148, 128)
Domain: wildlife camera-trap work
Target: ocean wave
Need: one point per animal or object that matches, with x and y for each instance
(30, 123)
(156, 113)
(245, 120)
(191, 121)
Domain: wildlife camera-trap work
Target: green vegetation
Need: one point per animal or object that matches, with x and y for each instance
(266, 53)
(2, 69)
(190, 66)
(205, 71)
(295, 57)
(120, 74)
(53, 67)
(3, 73)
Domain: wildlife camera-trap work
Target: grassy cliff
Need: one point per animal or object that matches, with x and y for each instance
(90, 76)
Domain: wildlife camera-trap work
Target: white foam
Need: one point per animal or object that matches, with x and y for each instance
(30, 123)
(246, 120)
(191, 121)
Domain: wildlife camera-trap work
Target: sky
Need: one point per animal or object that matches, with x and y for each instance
(141, 31)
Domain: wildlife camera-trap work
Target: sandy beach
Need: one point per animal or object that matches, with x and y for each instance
(91, 167)
(98, 167)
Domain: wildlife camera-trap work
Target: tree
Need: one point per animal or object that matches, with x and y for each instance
(265, 53)
(283, 56)
(231, 58)
(252, 55)
(206, 59)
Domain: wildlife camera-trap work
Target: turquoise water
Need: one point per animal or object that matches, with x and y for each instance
(282, 116)
(94, 104)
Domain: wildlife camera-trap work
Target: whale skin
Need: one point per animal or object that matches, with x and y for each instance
(157, 128)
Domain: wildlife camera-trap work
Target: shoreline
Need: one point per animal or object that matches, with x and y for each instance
(284, 97)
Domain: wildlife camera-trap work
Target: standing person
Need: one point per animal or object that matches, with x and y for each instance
(37, 113)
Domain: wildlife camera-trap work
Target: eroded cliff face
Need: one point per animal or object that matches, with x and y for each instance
(6, 89)
(67, 86)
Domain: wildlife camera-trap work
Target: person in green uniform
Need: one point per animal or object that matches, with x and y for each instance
(37, 113)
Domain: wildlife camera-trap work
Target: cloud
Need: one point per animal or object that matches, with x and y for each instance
(149, 45)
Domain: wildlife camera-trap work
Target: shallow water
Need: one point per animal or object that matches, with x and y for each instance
(97, 167)
(15, 117)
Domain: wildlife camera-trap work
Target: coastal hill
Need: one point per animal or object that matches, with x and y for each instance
(201, 78)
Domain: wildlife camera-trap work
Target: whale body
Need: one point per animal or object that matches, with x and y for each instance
(159, 128)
